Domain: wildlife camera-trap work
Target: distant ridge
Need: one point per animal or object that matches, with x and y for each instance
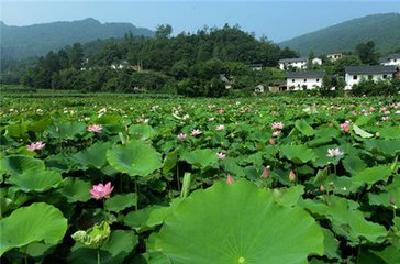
(38, 39)
(383, 29)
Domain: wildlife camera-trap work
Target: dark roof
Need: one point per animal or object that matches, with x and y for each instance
(290, 60)
(391, 56)
(367, 70)
(306, 74)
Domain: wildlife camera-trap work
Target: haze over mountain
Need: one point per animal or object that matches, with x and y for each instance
(383, 29)
(38, 39)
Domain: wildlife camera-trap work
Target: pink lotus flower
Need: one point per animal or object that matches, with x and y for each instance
(292, 176)
(220, 127)
(101, 191)
(229, 180)
(196, 132)
(266, 171)
(345, 126)
(95, 128)
(181, 136)
(35, 146)
(221, 111)
(277, 126)
(220, 155)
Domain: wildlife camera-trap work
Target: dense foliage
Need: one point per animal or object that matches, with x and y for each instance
(120, 180)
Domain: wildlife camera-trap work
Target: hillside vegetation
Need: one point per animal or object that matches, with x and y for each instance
(383, 29)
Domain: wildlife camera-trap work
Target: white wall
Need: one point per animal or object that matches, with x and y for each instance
(298, 83)
(317, 61)
(350, 81)
(392, 62)
(299, 65)
(334, 57)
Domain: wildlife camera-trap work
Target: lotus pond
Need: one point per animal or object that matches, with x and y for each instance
(200, 181)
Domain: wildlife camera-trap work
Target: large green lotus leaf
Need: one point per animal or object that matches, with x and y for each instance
(147, 218)
(36, 180)
(230, 165)
(18, 164)
(135, 158)
(18, 131)
(372, 175)
(390, 133)
(120, 202)
(39, 125)
(238, 223)
(346, 219)
(75, 189)
(386, 199)
(304, 127)
(66, 130)
(385, 147)
(35, 223)
(297, 153)
(201, 158)
(170, 161)
(288, 196)
(362, 133)
(113, 251)
(153, 258)
(141, 132)
(95, 155)
(330, 245)
(353, 163)
(391, 254)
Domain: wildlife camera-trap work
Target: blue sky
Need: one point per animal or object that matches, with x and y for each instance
(279, 20)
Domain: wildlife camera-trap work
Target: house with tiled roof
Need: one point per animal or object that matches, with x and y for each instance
(391, 60)
(307, 80)
(299, 63)
(355, 74)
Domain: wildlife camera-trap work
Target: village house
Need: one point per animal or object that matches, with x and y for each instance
(355, 74)
(391, 60)
(299, 63)
(304, 80)
(256, 67)
(316, 61)
(334, 56)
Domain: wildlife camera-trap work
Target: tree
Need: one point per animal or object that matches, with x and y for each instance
(367, 52)
(163, 31)
(76, 56)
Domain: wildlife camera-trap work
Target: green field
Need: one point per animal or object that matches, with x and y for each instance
(199, 181)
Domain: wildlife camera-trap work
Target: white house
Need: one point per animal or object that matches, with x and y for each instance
(334, 56)
(256, 67)
(355, 74)
(391, 60)
(299, 63)
(304, 80)
(316, 61)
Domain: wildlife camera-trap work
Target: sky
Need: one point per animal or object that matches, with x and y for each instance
(278, 20)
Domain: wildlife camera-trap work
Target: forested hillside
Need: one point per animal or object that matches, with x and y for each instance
(383, 29)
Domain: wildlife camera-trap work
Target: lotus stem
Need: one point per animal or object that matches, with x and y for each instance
(98, 256)
(177, 177)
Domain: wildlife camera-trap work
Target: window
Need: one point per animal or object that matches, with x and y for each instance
(355, 77)
(317, 80)
(370, 77)
(385, 76)
(293, 80)
(305, 80)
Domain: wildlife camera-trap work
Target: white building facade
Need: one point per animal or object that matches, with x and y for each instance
(391, 60)
(304, 80)
(356, 74)
(334, 56)
(316, 61)
(298, 63)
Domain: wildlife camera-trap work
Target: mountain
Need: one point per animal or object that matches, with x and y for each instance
(384, 29)
(38, 39)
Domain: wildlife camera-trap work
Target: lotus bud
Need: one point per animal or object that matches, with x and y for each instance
(272, 141)
(322, 188)
(292, 176)
(229, 180)
(266, 171)
(392, 201)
